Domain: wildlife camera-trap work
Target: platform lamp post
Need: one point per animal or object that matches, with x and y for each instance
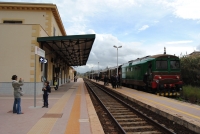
(98, 72)
(98, 69)
(117, 56)
(92, 72)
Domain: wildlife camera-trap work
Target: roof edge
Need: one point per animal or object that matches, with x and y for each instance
(91, 36)
(22, 3)
(35, 6)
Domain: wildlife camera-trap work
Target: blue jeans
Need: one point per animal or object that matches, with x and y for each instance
(17, 106)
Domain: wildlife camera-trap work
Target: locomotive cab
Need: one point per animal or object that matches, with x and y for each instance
(166, 76)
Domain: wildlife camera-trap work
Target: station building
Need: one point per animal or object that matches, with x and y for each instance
(23, 26)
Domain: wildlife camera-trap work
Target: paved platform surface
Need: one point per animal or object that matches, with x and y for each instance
(70, 112)
(182, 112)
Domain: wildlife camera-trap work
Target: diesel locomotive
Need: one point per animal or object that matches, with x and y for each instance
(159, 74)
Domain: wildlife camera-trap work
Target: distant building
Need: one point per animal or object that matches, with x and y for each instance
(195, 53)
(20, 25)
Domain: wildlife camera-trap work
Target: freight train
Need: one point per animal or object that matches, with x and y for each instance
(159, 74)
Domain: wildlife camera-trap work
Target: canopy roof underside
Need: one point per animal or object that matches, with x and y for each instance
(72, 50)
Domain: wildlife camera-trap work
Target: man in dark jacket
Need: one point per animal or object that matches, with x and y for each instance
(46, 90)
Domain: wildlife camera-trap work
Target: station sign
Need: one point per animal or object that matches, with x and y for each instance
(39, 51)
(42, 60)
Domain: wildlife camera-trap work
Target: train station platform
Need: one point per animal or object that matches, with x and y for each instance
(70, 111)
(183, 113)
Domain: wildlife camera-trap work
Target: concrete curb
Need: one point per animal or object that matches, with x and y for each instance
(171, 117)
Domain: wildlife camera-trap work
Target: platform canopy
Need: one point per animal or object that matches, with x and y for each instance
(73, 50)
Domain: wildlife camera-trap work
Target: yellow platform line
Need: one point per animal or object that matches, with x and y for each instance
(73, 125)
(180, 103)
(128, 94)
(45, 125)
(176, 101)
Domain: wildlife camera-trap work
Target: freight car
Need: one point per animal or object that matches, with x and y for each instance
(158, 73)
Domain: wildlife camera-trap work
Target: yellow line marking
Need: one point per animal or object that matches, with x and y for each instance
(177, 102)
(73, 125)
(45, 125)
(59, 106)
(181, 103)
(161, 104)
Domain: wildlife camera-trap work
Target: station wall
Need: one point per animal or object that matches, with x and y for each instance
(17, 48)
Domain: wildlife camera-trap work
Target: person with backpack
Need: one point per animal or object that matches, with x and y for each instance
(46, 90)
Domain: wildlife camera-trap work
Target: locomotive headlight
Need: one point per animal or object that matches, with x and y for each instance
(160, 77)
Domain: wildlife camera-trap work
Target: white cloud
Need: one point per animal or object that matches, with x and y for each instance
(180, 42)
(198, 48)
(186, 9)
(121, 4)
(90, 31)
(198, 22)
(104, 52)
(172, 49)
(156, 21)
(143, 28)
(76, 29)
(126, 18)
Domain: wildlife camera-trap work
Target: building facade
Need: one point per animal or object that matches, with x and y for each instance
(21, 24)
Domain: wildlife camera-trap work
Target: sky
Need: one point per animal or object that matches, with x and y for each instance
(141, 27)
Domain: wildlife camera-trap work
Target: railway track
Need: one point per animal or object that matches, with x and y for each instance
(123, 118)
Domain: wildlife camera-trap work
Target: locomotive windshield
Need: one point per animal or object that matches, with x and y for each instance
(161, 64)
(175, 64)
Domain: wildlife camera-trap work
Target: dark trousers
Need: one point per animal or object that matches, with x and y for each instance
(17, 105)
(45, 98)
(114, 84)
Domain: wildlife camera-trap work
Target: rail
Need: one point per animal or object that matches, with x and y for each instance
(154, 123)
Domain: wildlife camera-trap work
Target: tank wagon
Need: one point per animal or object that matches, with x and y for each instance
(158, 73)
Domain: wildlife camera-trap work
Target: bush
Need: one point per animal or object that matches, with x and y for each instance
(190, 70)
(191, 93)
